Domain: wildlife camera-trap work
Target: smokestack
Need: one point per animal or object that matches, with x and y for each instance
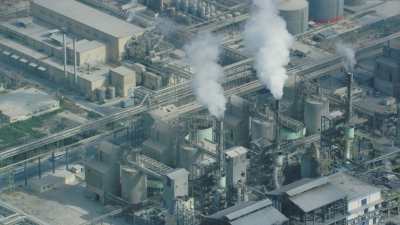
(349, 97)
(277, 126)
(65, 54)
(220, 146)
(349, 132)
(75, 70)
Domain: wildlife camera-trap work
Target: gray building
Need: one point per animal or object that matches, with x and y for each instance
(248, 213)
(387, 70)
(311, 202)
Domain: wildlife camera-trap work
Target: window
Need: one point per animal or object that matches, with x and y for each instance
(364, 202)
(366, 211)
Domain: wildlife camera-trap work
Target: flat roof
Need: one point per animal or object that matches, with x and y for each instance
(26, 101)
(91, 17)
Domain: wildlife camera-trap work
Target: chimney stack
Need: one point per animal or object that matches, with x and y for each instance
(220, 146)
(349, 132)
(277, 125)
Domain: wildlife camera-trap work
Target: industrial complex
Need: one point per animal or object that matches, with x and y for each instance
(199, 112)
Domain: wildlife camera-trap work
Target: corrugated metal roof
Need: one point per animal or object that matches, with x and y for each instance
(307, 186)
(317, 197)
(248, 209)
(267, 216)
(91, 17)
(353, 187)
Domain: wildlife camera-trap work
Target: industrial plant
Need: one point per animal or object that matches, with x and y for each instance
(199, 112)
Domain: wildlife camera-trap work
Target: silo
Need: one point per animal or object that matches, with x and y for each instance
(325, 11)
(314, 109)
(101, 94)
(295, 13)
(133, 185)
(111, 92)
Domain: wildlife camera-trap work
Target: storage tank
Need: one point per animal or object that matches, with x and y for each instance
(133, 185)
(261, 128)
(295, 13)
(314, 109)
(111, 92)
(354, 2)
(101, 94)
(325, 11)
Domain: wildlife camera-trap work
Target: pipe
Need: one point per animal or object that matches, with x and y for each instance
(65, 55)
(75, 70)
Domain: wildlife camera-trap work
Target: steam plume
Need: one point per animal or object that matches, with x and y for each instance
(349, 55)
(203, 55)
(267, 37)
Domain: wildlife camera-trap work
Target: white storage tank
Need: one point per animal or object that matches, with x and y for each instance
(295, 13)
(314, 109)
(326, 11)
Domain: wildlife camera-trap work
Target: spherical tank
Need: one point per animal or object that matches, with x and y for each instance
(314, 109)
(133, 185)
(295, 13)
(325, 11)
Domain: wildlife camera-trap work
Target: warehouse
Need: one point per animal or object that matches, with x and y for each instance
(23, 104)
(88, 23)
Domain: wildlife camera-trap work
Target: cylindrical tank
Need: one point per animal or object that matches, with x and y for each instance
(101, 94)
(261, 128)
(133, 185)
(325, 11)
(295, 13)
(314, 109)
(354, 2)
(111, 92)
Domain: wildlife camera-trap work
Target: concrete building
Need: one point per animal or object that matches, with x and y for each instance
(23, 104)
(236, 122)
(123, 79)
(102, 174)
(176, 185)
(248, 213)
(387, 70)
(311, 201)
(87, 22)
(363, 200)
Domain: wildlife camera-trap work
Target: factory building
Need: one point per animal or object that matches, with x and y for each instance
(363, 200)
(248, 213)
(310, 201)
(123, 79)
(102, 173)
(326, 11)
(295, 13)
(11, 112)
(87, 22)
(387, 70)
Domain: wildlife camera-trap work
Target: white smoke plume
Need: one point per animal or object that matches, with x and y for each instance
(267, 37)
(203, 54)
(349, 55)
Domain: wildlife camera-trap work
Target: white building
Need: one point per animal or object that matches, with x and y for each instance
(363, 199)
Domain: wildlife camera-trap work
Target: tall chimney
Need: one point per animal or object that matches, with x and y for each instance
(75, 69)
(277, 125)
(65, 54)
(349, 130)
(220, 146)
(349, 97)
